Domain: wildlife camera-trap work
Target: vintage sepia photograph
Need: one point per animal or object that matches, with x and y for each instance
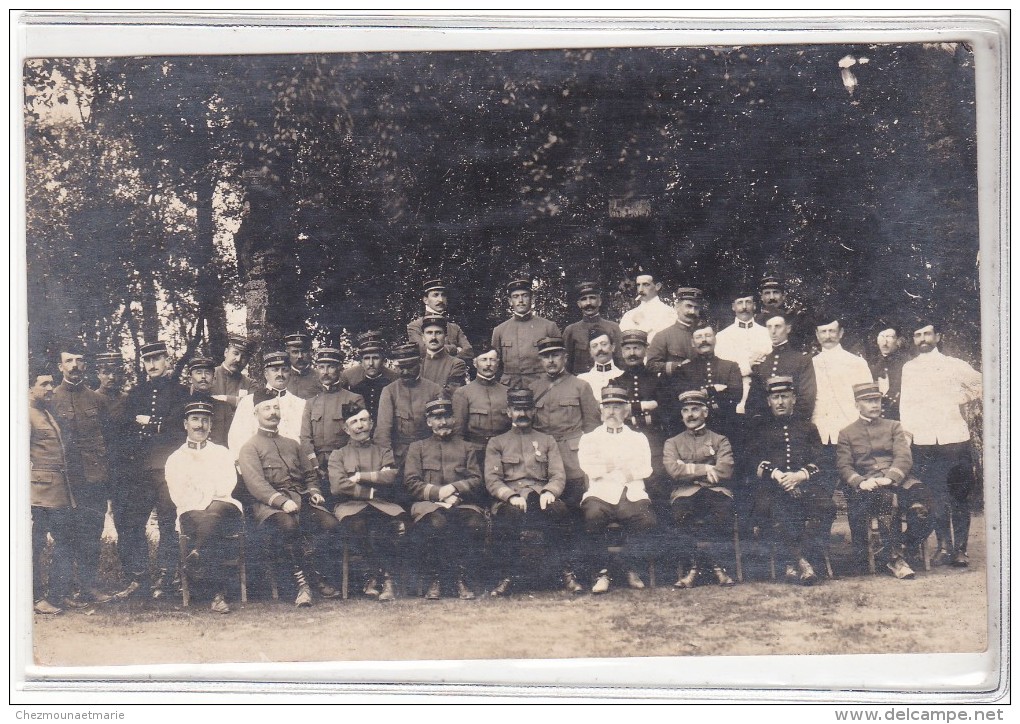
(483, 354)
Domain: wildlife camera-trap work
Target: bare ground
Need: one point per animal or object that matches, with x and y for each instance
(944, 610)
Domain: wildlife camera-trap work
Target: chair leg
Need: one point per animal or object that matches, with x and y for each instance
(738, 558)
(651, 573)
(872, 543)
(242, 567)
(274, 588)
(185, 588)
(828, 565)
(345, 577)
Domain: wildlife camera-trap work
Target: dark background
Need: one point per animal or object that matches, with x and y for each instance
(353, 177)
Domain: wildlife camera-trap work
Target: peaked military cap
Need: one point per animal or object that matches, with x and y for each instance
(109, 358)
(693, 397)
(329, 354)
(197, 407)
(153, 349)
(550, 344)
(692, 293)
(371, 341)
(866, 391)
(520, 398)
(239, 341)
(438, 406)
(612, 393)
(201, 362)
(634, 336)
(434, 320)
(585, 288)
(405, 354)
(433, 285)
(779, 384)
(519, 284)
(275, 359)
(298, 339)
(771, 281)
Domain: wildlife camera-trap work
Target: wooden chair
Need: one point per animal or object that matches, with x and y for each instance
(238, 562)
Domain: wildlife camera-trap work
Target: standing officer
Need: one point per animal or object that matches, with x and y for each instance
(201, 371)
(322, 424)
(774, 302)
(524, 474)
(794, 493)
(303, 381)
(84, 425)
(402, 406)
(517, 338)
(276, 370)
(438, 365)
(602, 349)
(783, 361)
(434, 296)
(672, 347)
(110, 372)
(578, 335)
(479, 407)
(887, 369)
(51, 497)
(443, 476)
(651, 315)
(371, 365)
(836, 373)
(152, 430)
(935, 386)
(230, 383)
(700, 462)
(719, 379)
(745, 342)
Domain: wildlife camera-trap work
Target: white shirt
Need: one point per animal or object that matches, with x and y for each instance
(652, 317)
(741, 345)
(934, 386)
(598, 379)
(836, 373)
(613, 461)
(244, 425)
(198, 476)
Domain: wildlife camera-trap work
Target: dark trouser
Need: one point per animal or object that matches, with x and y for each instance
(207, 530)
(87, 521)
(451, 542)
(637, 520)
(553, 528)
(58, 523)
(706, 516)
(133, 504)
(376, 537)
(306, 538)
(948, 472)
(801, 523)
(913, 504)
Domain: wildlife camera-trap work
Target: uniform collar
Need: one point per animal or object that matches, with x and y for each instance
(744, 325)
(298, 372)
(228, 373)
(614, 430)
(699, 431)
(781, 345)
(608, 367)
(73, 385)
(197, 445)
(524, 317)
(268, 433)
(433, 355)
(279, 393)
(485, 380)
(335, 387)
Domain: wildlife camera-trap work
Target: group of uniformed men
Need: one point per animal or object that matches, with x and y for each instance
(558, 439)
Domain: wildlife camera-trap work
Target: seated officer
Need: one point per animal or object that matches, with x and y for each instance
(279, 476)
(874, 460)
(201, 477)
(363, 477)
(322, 425)
(524, 473)
(443, 475)
(794, 494)
(700, 461)
(617, 460)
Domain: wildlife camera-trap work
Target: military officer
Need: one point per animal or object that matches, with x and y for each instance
(363, 478)
(82, 415)
(303, 381)
(745, 342)
(886, 364)
(794, 493)
(230, 383)
(402, 405)
(151, 431)
(444, 478)
(774, 302)
(371, 365)
(479, 407)
(672, 347)
(51, 497)
(517, 338)
(524, 474)
(873, 459)
(322, 424)
(617, 461)
(279, 477)
(437, 364)
(651, 315)
(578, 336)
(434, 296)
(277, 370)
(565, 408)
(201, 372)
(783, 361)
(719, 379)
(201, 477)
(602, 350)
(110, 372)
(700, 463)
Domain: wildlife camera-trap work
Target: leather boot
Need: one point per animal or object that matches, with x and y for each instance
(690, 580)
(435, 591)
(304, 594)
(464, 593)
(388, 592)
(570, 584)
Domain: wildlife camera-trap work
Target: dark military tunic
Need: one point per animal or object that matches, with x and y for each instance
(402, 414)
(786, 361)
(162, 400)
(790, 444)
(436, 462)
(576, 337)
(274, 471)
(370, 389)
(673, 344)
(231, 385)
(523, 460)
(355, 375)
(305, 384)
(222, 416)
(377, 471)
(565, 408)
(322, 426)
(455, 338)
(701, 373)
(444, 369)
(888, 372)
(802, 336)
(517, 342)
(82, 416)
(479, 411)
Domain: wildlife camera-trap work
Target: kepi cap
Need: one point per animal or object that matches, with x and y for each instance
(779, 384)
(329, 354)
(433, 285)
(196, 407)
(434, 320)
(152, 349)
(201, 362)
(520, 398)
(550, 344)
(297, 339)
(692, 293)
(440, 406)
(867, 391)
(693, 397)
(612, 393)
(275, 359)
(405, 354)
(518, 284)
(634, 336)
